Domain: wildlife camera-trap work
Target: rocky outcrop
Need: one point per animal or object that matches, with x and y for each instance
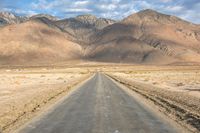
(10, 18)
(83, 26)
(52, 18)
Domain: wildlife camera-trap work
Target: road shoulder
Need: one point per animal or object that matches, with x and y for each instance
(149, 105)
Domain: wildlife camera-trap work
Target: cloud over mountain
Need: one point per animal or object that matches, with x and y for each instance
(115, 9)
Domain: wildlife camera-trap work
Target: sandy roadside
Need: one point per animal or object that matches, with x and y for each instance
(179, 106)
(24, 95)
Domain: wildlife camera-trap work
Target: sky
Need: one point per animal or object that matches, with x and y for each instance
(114, 9)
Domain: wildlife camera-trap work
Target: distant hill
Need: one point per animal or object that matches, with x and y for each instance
(52, 18)
(83, 26)
(146, 37)
(33, 43)
(10, 18)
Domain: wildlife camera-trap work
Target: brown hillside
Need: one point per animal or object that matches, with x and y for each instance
(35, 42)
(146, 37)
(171, 39)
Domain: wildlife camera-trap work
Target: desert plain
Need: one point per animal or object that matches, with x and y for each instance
(173, 89)
(26, 92)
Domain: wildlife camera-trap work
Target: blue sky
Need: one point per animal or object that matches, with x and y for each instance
(115, 9)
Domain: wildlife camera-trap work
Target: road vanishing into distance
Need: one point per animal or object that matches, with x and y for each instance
(99, 106)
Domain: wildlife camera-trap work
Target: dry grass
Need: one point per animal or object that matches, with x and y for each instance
(174, 90)
(24, 92)
(187, 81)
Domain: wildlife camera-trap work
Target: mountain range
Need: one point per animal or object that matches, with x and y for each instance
(146, 37)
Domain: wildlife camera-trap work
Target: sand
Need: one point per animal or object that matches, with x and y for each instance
(173, 90)
(24, 92)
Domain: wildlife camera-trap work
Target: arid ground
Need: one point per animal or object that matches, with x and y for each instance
(25, 91)
(173, 90)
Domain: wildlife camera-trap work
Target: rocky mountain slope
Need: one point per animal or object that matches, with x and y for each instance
(52, 18)
(7, 18)
(10, 18)
(83, 26)
(146, 37)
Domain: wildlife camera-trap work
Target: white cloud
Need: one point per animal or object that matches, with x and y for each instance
(191, 16)
(107, 7)
(6, 10)
(117, 9)
(144, 4)
(166, 1)
(84, 10)
(174, 8)
(41, 4)
(29, 12)
(19, 11)
(81, 3)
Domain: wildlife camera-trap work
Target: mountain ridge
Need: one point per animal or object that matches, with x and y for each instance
(146, 37)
